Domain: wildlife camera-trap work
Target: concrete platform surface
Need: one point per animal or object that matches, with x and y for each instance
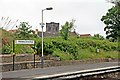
(39, 72)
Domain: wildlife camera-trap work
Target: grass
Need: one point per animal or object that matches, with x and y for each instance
(23, 49)
(85, 54)
(110, 54)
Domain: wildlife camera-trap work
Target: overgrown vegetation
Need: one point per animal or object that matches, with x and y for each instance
(72, 49)
(67, 48)
(79, 48)
(6, 38)
(7, 44)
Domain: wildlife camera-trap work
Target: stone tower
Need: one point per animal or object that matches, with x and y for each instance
(52, 27)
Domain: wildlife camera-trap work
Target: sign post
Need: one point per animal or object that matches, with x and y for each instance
(24, 41)
(13, 54)
(21, 42)
(34, 54)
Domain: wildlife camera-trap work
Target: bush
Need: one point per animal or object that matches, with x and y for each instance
(6, 49)
(100, 44)
(65, 46)
(63, 55)
(75, 48)
(47, 48)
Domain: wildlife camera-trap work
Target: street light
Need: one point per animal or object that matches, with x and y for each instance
(42, 25)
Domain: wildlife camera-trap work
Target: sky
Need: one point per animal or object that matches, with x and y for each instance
(87, 13)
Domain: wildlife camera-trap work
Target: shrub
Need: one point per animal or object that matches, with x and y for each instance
(65, 46)
(63, 55)
(6, 49)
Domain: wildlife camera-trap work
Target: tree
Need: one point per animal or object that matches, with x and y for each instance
(66, 28)
(98, 36)
(23, 31)
(116, 2)
(112, 22)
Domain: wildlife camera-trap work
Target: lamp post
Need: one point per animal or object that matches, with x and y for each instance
(42, 25)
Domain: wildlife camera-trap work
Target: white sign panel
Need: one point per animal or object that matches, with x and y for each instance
(24, 41)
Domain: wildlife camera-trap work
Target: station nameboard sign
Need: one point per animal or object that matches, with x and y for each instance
(24, 41)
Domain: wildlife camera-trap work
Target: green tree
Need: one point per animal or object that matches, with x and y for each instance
(98, 36)
(66, 28)
(112, 22)
(24, 31)
(116, 2)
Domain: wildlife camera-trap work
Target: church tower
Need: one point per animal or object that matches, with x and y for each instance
(52, 27)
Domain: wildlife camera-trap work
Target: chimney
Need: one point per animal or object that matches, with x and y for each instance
(36, 31)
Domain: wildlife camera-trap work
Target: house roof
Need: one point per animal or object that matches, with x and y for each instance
(12, 31)
(85, 35)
